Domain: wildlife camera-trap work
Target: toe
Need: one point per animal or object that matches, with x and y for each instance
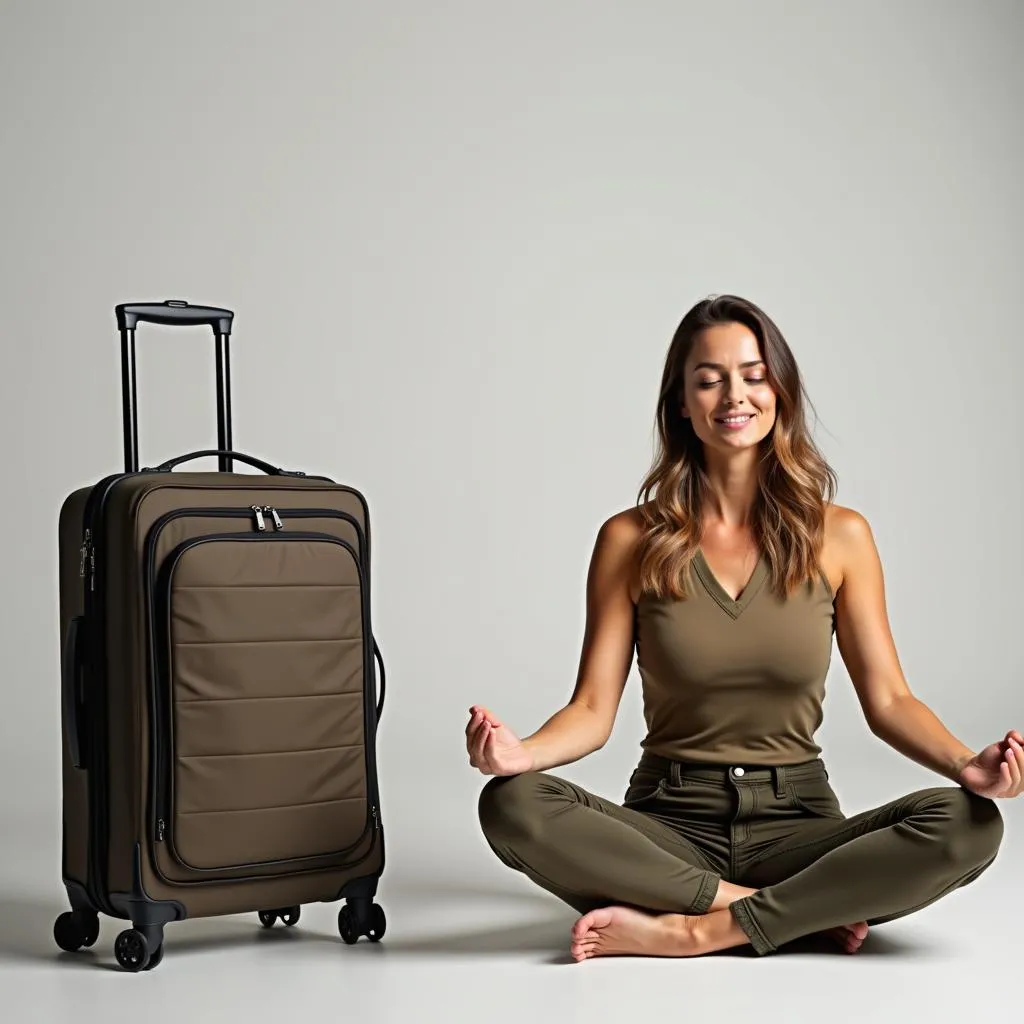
(585, 925)
(584, 950)
(580, 928)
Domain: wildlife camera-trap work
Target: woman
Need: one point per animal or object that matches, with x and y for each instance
(730, 582)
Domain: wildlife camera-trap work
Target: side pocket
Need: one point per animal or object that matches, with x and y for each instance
(816, 797)
(644, 786)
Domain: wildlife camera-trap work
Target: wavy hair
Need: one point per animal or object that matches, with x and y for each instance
(794, 480)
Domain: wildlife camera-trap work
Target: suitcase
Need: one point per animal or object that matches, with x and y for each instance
(220, 688)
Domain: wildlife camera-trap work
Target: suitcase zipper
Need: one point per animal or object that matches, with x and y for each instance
(159, 699)
(97, 769)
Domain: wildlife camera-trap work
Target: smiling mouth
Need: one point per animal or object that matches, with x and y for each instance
(734, 421)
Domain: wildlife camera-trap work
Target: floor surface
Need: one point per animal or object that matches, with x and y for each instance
(475, 943)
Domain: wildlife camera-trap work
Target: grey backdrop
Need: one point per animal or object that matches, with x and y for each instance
(458, 237)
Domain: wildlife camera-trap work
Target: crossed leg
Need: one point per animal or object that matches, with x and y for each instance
(591, 852)
(642, 887)
(874, 867)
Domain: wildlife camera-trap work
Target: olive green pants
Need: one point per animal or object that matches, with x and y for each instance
(683, 828)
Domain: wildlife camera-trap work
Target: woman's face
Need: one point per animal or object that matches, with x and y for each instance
(725, 377)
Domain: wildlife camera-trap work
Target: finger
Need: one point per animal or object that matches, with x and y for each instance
(481, 750)
(1005, 778)
(478, 714)
(479, 740)
(474, 720)
(474, 756)
(472, 730)
(476, 741)
(489, 752)
(1016, 754)
(1013, 750)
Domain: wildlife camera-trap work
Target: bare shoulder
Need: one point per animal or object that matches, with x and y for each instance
(615, 552)
(623, 529)
(849, 544)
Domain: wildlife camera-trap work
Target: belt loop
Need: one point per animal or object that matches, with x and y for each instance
(675, 775)
(780, 781)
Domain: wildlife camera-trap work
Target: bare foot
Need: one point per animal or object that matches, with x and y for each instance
(614, 931)
(850, 936)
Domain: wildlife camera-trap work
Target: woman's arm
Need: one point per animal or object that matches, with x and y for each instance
(584, 724)
(586, 721)
(865, 642)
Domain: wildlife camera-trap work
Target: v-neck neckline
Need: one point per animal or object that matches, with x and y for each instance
(733, 606)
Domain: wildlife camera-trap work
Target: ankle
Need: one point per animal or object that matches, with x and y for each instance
(727, 894)
(683, 931)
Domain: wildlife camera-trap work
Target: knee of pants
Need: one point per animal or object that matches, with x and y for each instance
(972, 825)
(508, 806)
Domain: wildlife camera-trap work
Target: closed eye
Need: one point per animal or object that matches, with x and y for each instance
(749, 380)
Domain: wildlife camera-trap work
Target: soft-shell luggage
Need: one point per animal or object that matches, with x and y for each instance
(220, 697)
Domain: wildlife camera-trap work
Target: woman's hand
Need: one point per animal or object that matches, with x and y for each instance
(998, 770)
(494, 748)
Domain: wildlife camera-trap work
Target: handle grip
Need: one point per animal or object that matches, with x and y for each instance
(173, 312)
(70, 668)
(383, 680)
(179, 313)
(221, 453)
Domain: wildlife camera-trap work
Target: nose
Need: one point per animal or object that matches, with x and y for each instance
(734, 390)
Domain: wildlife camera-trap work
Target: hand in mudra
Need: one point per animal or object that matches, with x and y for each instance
(998, 770)
(494, 748)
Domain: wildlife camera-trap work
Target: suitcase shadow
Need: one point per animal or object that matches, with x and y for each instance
(26, 931)
(26, 935)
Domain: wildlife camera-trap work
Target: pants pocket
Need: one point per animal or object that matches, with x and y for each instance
(645, 785)
(815, 797)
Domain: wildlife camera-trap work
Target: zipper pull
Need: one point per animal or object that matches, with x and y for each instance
(278, 525)
(161, 830)
(376, 823)
(260, 523)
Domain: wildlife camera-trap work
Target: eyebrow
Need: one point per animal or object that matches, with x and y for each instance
(719, 366)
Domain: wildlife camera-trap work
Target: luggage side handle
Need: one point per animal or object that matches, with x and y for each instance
(251, 460)
(70, 666)
(380, 662)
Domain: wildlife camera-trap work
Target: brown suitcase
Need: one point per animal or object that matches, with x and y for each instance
(219, 689)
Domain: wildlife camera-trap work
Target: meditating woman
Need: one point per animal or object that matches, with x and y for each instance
(729, 578)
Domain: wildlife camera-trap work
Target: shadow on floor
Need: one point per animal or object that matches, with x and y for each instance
(26, 931)
(878, 943)
(26, 935)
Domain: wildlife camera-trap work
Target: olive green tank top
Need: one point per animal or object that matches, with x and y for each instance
(735, 681)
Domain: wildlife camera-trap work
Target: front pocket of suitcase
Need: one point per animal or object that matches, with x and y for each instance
(261, 661)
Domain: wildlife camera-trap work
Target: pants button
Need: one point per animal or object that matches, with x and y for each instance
(737, 772)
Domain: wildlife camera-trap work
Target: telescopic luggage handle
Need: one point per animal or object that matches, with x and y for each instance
(176, 313)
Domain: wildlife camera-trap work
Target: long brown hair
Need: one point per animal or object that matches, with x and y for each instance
(795, 481)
